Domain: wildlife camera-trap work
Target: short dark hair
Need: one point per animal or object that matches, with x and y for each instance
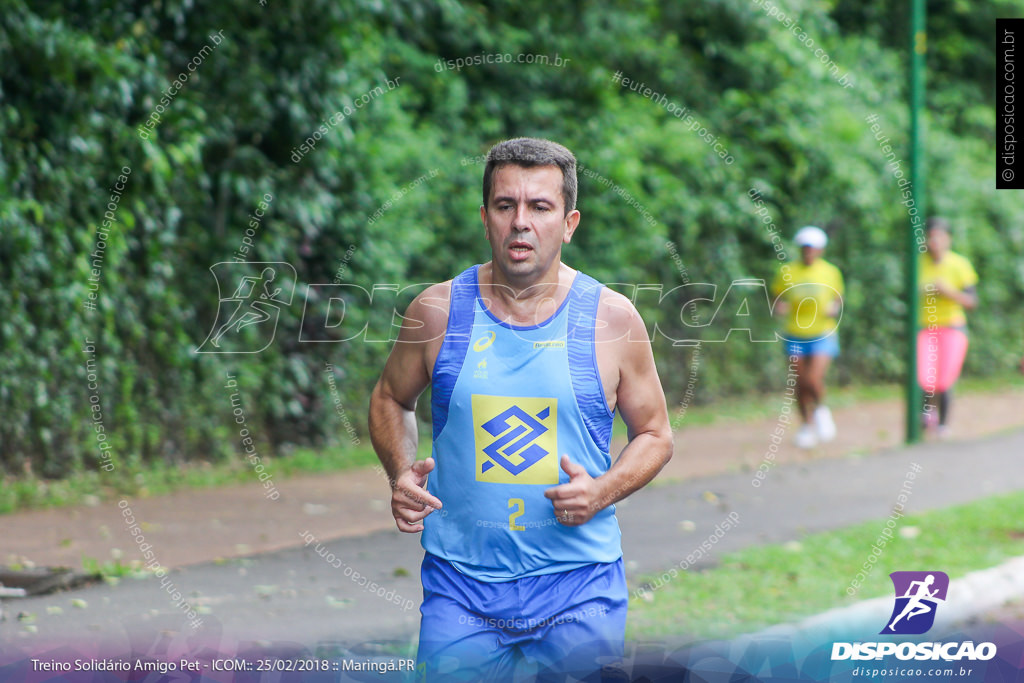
(938, 223)
(528, 153)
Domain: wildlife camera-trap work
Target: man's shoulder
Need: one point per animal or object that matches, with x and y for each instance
(439, 294)
(830, 267)
(427, 316)
(609, 297)
(796, 267)
(825, 272)
(616, 316)
(436, 290)
(966, 270)
(959, 260)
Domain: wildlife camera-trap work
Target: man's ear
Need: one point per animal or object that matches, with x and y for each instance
(572, 220)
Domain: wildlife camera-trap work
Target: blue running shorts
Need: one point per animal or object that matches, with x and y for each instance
(827, 346)
(543, 627)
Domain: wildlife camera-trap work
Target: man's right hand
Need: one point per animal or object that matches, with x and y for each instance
(410, 501)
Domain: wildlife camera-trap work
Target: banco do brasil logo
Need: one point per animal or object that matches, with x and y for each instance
(516, 439)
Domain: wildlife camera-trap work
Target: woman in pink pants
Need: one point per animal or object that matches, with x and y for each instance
(948, 287)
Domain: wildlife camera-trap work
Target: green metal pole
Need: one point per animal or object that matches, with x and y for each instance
(918, 47)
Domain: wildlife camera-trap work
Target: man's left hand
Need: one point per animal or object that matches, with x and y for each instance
(578, 500)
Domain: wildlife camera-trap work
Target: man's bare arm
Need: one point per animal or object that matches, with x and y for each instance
(640, 399)
(966, 297)
(393, 430)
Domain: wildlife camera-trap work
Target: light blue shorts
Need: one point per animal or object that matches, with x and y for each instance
(816, 346)
(534, 628)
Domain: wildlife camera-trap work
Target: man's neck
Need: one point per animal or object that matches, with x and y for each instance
(524, 301)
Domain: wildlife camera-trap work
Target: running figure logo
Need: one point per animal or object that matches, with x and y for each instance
(262, 289)
(917, 597)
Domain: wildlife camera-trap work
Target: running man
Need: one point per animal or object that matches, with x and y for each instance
(528, 361)
(251, 308)
(809, 293)
(948, 286)
(916, 591)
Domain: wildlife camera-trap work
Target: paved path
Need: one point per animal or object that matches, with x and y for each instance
(192, 527)
(295, 596)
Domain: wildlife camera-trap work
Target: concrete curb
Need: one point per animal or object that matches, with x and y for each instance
(968, 597)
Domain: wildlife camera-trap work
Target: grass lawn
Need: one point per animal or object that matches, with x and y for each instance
(755, 407)
(151, 479)
(758, 587)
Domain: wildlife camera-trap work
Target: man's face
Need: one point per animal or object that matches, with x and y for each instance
(525, 219)
(810, 254)
(938, 242)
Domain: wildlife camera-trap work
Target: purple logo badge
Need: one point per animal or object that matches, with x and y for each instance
(918, 595)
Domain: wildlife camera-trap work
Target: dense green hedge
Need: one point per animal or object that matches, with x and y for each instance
(80, 83)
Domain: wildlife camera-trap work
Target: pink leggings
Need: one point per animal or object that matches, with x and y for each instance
(940, 356)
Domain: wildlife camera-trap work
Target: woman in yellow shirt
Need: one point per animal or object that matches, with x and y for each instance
(948, 286)
(809, 293)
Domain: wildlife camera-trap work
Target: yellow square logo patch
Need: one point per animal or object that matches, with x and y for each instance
(516, 439)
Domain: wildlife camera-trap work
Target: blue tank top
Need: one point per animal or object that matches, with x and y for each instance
(507, 402)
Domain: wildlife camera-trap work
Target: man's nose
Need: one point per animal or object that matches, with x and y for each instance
(521, 219)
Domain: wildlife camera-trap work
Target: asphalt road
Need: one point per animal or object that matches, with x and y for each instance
(295, 600)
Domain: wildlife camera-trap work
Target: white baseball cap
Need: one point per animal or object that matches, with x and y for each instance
(811, 236)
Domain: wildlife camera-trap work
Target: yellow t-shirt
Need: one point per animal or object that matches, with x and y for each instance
(810, 291)
(956, 272)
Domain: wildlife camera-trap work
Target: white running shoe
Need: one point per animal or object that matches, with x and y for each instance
(806, 437)
(824, 423)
